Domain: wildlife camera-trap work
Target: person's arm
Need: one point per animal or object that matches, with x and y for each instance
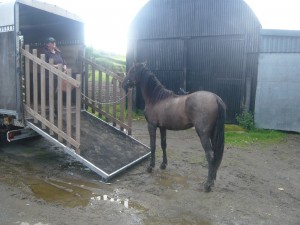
(64, 63)
(63, 60)
(64, 67)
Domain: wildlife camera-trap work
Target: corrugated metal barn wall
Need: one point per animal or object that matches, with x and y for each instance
(277, 95)
(279, 41)
(199, 45)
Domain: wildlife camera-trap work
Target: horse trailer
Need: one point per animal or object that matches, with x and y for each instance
(24, 22)
(86, 123)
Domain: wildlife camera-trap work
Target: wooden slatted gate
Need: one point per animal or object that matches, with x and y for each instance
(104, 95)
(42, 111)
(101, 94)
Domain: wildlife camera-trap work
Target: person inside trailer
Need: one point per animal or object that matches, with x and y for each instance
(52, 52)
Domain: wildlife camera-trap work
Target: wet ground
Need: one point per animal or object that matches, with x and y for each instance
(39, 184)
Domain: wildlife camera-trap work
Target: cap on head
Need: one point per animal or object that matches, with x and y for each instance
(50, 40)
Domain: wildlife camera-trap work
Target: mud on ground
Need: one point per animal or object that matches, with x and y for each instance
(255, 185)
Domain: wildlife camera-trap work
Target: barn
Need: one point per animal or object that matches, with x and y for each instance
(199, 45)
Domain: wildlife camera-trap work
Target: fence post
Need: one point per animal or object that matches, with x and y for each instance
(78, 112)
(107, 95)
(122, 106)
(35, 85)
(115, 101)
(43, 92)
(27, 77)
(69, 111)
(51, 97)
(129, 109)
(93, 87)
(59, 103)
(86, 84)
(100, 93)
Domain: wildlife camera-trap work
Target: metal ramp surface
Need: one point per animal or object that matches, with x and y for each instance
(104, 149)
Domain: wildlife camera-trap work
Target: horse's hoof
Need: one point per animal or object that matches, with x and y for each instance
(163, 166)
(207, 188)
(149, 169)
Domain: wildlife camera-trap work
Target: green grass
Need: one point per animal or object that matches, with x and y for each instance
(114, 62)
(236, 136)
(233, 128)
(97, 77)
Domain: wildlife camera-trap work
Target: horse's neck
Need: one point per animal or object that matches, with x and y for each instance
(152, 90)
(145, 94)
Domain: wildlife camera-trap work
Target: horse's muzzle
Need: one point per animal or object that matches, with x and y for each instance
(124, 86)
(127, 84)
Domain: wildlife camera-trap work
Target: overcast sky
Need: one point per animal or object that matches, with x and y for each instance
(107, 21)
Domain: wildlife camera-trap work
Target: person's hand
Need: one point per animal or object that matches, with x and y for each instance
(65, 68)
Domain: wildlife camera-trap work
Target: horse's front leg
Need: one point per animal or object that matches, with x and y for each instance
(163, 136)
(152, 134)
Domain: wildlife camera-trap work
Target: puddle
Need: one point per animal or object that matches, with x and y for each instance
(27, 165)
(138, 207)
(57, 192)
(50, 190)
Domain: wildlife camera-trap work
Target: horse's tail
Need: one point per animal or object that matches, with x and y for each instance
(218, 135)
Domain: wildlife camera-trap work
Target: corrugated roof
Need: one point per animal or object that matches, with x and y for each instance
(7, 11)
(192, 18)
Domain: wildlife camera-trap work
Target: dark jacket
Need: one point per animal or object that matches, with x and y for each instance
(57, 57)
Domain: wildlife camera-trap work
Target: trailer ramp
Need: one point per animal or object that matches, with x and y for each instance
(104, 149)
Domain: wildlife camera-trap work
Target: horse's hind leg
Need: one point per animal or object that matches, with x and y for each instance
(152, 134)
(163, 136)
(206, 144)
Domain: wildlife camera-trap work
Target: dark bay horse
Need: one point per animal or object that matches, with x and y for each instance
(167, 111)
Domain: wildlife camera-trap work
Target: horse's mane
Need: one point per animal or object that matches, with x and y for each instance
(153, 88)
